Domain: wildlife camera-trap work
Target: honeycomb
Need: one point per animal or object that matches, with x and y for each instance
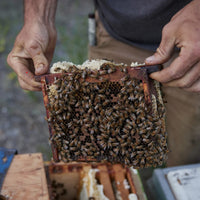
(96, 119)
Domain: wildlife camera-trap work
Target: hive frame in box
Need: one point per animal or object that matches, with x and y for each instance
(115, 179)
(138, 72)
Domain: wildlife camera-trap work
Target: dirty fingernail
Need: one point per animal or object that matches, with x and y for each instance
(150, 59)
(40, 67)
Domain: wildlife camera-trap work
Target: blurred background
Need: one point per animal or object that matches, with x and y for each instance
(22, 114)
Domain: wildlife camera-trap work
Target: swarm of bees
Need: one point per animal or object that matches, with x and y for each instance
(104, 120)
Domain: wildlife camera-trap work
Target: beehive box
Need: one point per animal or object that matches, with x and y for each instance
(69, 181)
(25, 179)
(175, 183)
(115, 114)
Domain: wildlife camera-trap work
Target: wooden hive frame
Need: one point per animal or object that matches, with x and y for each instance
(140, 73)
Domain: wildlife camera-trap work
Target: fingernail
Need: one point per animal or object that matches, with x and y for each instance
(40, 67)
(150, 59)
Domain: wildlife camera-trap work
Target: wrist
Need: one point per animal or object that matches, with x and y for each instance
(40, 10)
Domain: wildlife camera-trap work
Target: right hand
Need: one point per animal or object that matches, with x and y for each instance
(183, 32)
(32, 53)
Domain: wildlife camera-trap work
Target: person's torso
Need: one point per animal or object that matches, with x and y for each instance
(138, 22)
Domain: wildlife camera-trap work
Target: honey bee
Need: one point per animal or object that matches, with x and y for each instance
(126, 161)
(102, 72)
(123, 151)
(116, 150)
(126, 131)
(125, 78)
(124, 144)
(84, 153)
(125, 70)
(84, 74)
(102, 144)
(151, 144)
(72, 148)
(131, 97)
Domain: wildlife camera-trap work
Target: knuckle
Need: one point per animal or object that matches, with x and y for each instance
(166, 30)
(174, 74)
(187, 23)
(193, 53)
(9, 58)
(184, 84)
(161, 51)
(178, 75)
(32, 46)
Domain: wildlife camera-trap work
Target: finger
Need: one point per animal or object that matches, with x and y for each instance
(25, 86)
(177, 68)
(20, 66)
(194, 88)
(51, 47)
(188, 79)
(165, 49)
(40, 61)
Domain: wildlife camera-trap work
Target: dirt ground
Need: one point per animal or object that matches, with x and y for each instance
(22, 123)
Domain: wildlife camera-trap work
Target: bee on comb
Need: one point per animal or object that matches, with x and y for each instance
(109, 113)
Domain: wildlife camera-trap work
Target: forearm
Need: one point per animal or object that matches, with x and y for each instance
(42, 10)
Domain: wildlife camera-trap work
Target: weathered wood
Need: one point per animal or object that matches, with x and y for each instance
(26, 178)
(67, 175)
(104, 179)
(130, 181)
(119, 176)
(115, 179)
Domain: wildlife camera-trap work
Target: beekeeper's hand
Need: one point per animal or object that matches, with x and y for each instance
(183, 31)
(34, 46)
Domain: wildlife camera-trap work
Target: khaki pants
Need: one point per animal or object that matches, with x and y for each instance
(183, 108)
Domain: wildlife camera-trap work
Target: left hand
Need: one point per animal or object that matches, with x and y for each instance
(183, 31)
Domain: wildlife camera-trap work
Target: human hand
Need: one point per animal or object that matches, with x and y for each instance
(34, 45)
(32, 53)
(183, 31)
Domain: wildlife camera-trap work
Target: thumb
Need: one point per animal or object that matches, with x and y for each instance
(164, 51)
(40, 63)
(39, 60)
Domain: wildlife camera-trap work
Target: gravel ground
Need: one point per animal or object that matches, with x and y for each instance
(22, 123)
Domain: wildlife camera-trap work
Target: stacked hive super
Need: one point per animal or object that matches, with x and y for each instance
(94, 181)
(95, 119)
